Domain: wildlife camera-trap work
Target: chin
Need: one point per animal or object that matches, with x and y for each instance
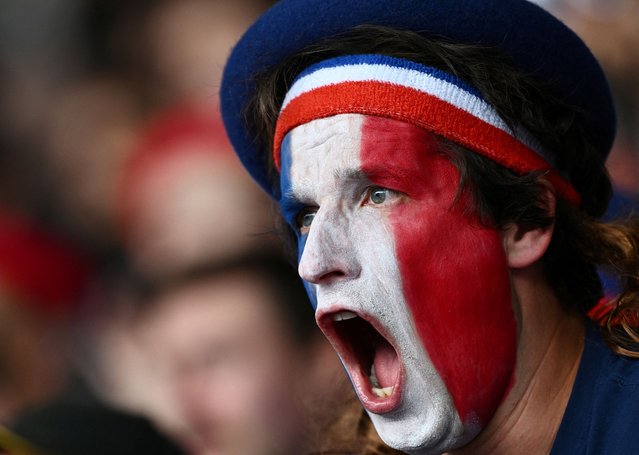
(429, 440)
(426, 422)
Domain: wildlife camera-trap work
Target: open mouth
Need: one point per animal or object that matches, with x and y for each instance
(370, 358)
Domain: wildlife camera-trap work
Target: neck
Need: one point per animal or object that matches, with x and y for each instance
(550, 345)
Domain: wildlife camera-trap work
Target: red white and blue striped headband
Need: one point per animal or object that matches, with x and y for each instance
(426, 97)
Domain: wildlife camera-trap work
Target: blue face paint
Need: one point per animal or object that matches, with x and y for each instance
(290, 207)
(310, 288)
(288, 203)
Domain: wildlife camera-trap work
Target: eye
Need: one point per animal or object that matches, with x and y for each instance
(378, 195)
(304, 219)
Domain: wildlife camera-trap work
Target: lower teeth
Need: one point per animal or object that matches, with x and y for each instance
(378, 390)
(383, 392)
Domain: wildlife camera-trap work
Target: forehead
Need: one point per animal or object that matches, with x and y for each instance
(323, 153)
(314, 150)
(333, 149)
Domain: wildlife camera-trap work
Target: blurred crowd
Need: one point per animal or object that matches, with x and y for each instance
(147, 303)
(611, 30)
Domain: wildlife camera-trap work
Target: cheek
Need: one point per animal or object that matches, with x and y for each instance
(456, 284)
(457, 288)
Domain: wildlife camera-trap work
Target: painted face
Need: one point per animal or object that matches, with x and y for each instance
(413, 294)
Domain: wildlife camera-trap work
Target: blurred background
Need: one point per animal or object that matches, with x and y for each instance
(145, 303)
(134, 249)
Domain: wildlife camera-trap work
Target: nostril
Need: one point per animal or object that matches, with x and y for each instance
(332, 276)
(323, 274)
(320, 276)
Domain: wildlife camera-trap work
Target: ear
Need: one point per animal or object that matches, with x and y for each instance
(526, 245)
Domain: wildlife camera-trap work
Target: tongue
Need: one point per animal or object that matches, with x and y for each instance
(386, 365)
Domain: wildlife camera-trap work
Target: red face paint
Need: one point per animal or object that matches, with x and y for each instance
(454, 272)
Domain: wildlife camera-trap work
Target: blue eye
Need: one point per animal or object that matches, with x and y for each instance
(378, 195)
(304, 219)
(307, 219)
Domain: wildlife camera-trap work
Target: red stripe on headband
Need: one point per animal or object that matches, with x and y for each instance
(423, 110)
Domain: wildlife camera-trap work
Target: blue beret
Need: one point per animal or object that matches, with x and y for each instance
(537, 42)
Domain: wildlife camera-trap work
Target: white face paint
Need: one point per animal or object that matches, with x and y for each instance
(349, 257)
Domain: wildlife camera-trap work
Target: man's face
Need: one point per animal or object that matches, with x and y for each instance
(226, 347)
(407, 283)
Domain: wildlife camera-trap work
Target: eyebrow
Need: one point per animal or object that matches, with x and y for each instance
(290, 205)
(292, 199)
(384, 175)
(350, 175)
(291, 202)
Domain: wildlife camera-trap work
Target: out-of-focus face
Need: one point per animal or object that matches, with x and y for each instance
(232, 366)
(190, 41)
(191, 206)
(413, 294)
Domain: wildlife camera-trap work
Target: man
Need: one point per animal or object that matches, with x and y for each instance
(176, 184)
(241, 357)
(44, 406)
(442, 167)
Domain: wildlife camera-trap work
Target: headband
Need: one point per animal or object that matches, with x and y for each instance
(413, 93)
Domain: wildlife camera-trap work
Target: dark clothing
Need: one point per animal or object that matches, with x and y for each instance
(77, 423)
(602, 416)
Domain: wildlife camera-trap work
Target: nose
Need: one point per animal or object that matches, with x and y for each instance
(328, 253)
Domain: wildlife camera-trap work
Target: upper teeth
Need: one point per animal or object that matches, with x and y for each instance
(344, 316)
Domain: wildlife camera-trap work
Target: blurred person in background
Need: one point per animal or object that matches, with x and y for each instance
(189, 40)
(76, 422)
(45, 404)
(236, 343)
(183, 197)
(89, 132)
(42, 278)
(172, 51)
